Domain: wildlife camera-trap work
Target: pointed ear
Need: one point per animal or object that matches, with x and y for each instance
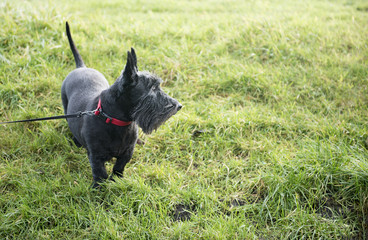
(134, 58)
(129, 69)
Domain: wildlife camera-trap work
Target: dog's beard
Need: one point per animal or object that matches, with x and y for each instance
(150, 113)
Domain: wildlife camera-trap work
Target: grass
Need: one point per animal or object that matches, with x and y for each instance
(271, 142)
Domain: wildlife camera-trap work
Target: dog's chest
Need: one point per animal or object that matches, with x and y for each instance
(123, 141)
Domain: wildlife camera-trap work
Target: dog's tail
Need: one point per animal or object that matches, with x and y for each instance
(77, 57)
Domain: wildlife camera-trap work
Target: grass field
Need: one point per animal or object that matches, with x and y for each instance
(271, 142)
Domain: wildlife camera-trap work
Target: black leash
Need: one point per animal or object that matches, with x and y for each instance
(74, 115)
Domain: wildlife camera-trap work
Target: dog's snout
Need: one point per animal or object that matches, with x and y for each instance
(179, 106)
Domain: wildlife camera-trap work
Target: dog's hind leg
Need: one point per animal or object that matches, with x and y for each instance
(64, 99)
(77, 143)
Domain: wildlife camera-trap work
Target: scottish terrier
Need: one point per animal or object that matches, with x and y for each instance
(135, 99)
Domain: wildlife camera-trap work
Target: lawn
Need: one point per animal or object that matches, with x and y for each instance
(271, 142)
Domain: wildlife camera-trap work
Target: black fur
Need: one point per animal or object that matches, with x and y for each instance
(77, 57)
(135, 96)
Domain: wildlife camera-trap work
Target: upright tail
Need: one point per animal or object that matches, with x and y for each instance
(77, 57)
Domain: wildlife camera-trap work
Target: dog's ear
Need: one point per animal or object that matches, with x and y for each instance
(134, 58)
(130, 70)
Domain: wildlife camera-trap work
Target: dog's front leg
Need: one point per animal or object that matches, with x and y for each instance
(121, 161)
(98, 169)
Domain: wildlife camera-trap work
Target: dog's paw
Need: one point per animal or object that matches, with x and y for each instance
(96, 185)
(111, 178)
(117, 174)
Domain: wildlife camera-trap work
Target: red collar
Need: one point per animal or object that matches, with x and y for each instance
(107, 118)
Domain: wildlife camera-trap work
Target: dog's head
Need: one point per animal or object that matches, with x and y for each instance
(150, 105)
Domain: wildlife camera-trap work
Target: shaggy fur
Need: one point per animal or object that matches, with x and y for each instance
(135, 96)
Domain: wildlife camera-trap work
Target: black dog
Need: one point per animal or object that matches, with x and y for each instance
(134, 99)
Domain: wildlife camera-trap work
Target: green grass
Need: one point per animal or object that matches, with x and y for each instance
(278, 88)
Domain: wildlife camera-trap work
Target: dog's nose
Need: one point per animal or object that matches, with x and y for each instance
(179, 107)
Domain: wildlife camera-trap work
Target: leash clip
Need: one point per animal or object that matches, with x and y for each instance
(88, 113)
